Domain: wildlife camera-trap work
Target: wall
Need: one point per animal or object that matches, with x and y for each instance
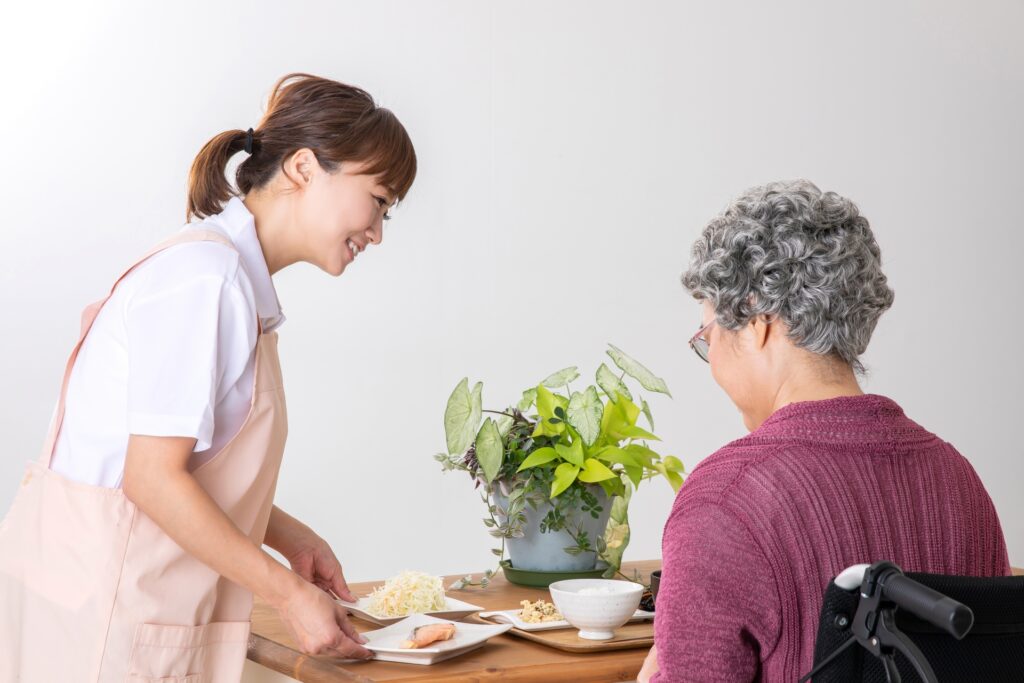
(569, 153)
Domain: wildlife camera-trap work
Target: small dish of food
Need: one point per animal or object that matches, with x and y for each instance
(421, 639)
(406, 594)
(539, 612)
(542, 616)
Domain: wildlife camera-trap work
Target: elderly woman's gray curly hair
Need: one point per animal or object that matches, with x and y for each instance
(788, 249)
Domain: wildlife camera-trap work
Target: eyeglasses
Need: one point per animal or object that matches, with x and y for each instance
(699, 343)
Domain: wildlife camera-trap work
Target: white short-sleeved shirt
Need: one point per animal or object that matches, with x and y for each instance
(171, 353)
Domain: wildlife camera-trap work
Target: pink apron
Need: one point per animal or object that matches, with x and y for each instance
(91, 589)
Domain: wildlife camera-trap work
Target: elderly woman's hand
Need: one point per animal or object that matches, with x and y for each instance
(650, 666)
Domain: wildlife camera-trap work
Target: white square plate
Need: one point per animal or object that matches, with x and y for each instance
(453, 611)
(511, 616)
(384, 642)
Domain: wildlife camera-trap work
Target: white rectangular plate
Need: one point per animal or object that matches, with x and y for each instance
(453, 611)
(511, 616)
(384, 642)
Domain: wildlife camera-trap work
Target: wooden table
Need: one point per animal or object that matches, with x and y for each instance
(505, 657)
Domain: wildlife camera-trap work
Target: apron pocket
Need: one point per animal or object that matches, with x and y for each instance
(208, 653)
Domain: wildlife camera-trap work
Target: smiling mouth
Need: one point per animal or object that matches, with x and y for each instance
(354, 248)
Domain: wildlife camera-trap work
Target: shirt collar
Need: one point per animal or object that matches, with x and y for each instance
(240, 226)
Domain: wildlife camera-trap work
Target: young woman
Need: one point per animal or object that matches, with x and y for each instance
(133, 546)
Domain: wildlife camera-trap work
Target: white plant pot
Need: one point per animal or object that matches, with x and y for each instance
(544, 552)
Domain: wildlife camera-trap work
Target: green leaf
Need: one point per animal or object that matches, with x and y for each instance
(565, 475)
(613, 487)
(505, 424)
(529, 396)
(607, 418)
(638, 433)
(672, 463)
(573, 453)
(546, 404)
(456, 414)
(561, 378)
(647, 379)
(547, 428)
(674, 479)
(645, 455)
(594, 471)
(628, 410)
(584, 413)
(616, 533)
(611, 384)
(647, 412)
(540, 456)
(462, 416)
(613, 454)
(619, 421)
(489, 449)
(635, 474)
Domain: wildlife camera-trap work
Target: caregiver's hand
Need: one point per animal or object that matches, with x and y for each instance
(319, 624)
(309, 555)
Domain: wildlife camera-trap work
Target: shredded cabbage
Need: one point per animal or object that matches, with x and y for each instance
(408, 593)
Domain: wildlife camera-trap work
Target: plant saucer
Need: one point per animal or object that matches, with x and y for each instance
(542, 579)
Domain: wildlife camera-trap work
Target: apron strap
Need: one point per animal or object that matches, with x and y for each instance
(93, 310)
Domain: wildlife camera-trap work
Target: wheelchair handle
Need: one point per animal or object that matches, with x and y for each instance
(929, 605)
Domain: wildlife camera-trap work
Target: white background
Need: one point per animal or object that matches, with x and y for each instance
(570, 153)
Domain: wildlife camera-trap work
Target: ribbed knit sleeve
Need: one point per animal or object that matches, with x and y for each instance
(718, 590)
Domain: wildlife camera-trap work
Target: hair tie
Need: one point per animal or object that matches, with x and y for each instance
(248, 141)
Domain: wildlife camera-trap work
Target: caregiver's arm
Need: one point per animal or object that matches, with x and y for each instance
(717, 611)
(157, 480)
(282, 531)
(287, 535)
(310, 556)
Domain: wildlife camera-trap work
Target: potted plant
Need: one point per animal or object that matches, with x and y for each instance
(557, 470)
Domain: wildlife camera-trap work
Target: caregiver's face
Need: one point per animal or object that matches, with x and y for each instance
(343, 213)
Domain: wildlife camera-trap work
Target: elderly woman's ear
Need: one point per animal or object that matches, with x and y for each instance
(761, 326)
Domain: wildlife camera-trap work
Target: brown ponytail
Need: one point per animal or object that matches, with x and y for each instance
(337, 122)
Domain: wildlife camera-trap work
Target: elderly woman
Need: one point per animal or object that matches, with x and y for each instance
(791, 286)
